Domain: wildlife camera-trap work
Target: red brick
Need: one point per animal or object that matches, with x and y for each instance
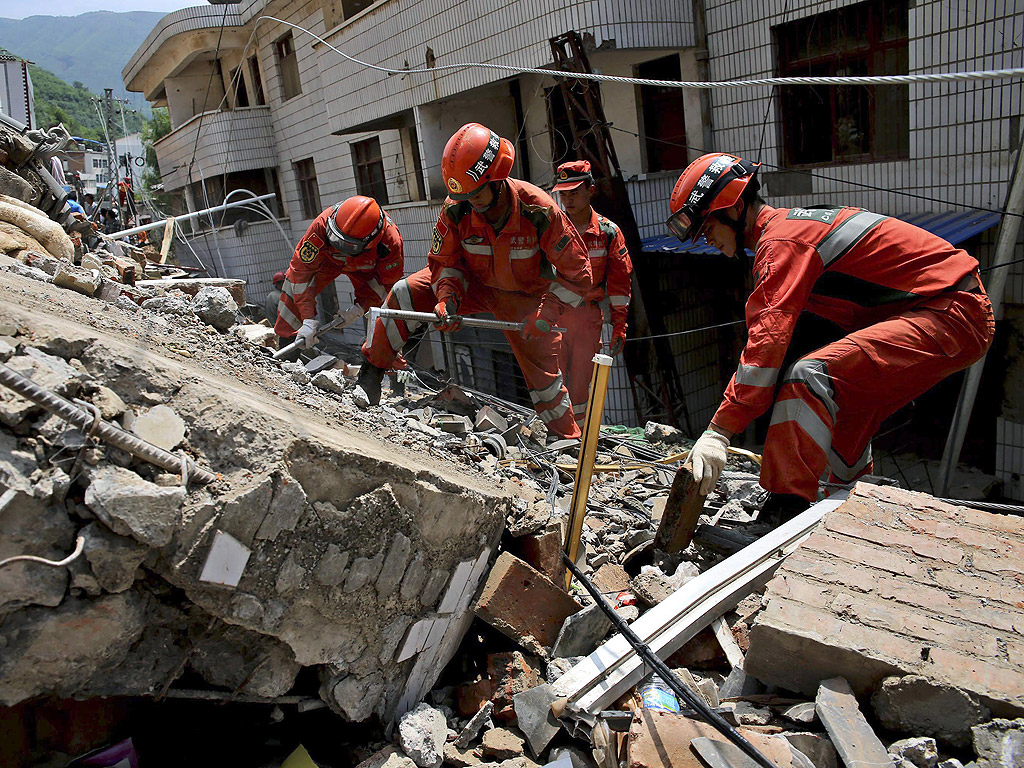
(544, 552)
(925, 546)
(471, 696)
(511, 673)
(851, 551)
(523, 604)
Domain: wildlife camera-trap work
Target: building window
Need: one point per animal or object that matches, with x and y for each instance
(257, 80)
(305, 171)
(337, 11)
(369, 168)
(238, 82)
(846, 123)
(288, 66)
(664, 125)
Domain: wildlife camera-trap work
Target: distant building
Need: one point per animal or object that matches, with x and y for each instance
(16, 97)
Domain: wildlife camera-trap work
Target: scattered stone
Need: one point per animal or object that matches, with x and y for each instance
(544, 552)
(535, 718)
(421, 733)
(113, 559)
(33, 273)
(502, 743)
(558, 667)
(917, 704)
(215, 306)
(161, 426)
(131, 506)
(652, 586)
(7, 349)
(999, 743)
(472, 728)
(800, 713)
(107, 400)
(452, 423)
(511, 674)
(663, 433)
(582, 632)
(332, 380)
(749, 714)
(920, 751)
(164, 305)
(76, 278)
(488, 418)
(815, 746)
(611, 578)
(389, 757)
(952, 762)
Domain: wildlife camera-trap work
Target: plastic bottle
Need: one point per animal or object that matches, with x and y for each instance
(655, 694)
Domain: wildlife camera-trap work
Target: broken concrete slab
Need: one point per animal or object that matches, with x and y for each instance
(332, 380)
(917, 704)
(815, 746)
(854, 739)
(422, 733)
(488, 418)
(85, 281)
(510, 674)
(543, 551)
(214, 305)
(682, 510)
(161, 426)
(581, 632)
(999, 743)
(896, 582)
(472, 728)
(523, 604)
(131, 506)
(502, 744)
(536, 720)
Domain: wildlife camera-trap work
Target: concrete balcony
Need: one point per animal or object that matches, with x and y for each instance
(414, 34)
(178, 39)
(236, 140)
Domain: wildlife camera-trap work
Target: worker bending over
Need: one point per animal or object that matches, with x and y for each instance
(607, 299)
(912, 306)
(502, 246)
(356, 238)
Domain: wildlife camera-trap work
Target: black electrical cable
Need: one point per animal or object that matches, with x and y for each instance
(693, 700)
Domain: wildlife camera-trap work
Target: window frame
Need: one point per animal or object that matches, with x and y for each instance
(309, 188)
(288, 66)
(363, 168)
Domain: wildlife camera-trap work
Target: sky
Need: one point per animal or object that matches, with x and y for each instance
(19, 9)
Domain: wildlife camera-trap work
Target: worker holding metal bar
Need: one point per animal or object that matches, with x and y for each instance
(911, 306)
(502, 246)
(355, 238)
(608, 298)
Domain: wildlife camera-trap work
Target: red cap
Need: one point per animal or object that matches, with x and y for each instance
(570, 175)
(279, 277)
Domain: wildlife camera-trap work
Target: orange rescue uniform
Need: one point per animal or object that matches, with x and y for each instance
(537, 256)
(914, 310)
(315, 264)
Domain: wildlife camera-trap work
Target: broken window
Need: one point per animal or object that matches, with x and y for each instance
(288, 64)
(369, 169)
(847, 123)
(305, 173)
(257, 80)
(238, 82)
(664, 125)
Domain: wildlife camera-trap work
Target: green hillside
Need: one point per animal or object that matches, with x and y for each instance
(91, 48)
(73, 105)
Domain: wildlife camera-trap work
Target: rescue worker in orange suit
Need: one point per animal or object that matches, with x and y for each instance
(355, 238)
(912, 307)
(494, 246)
(611, 269)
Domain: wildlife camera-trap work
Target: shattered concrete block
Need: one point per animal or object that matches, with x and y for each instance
(422, 733)
(488, 418)
(7, 348)
(389, 757)
(611, 578)
(511, 674)
(472, 728)
(393, 568)
(290, 577)
(254, 333)
(452, 423)
(544, 552)
(112, 559)
(800, 713)
(215, 306)
(920, 751)
(29, 527)
(166, 305)
(330, 571)
(815, 746)
(415, 578)
(332, 380)
(363, 571)
(663, 433)
(46, 651)
(523, 604)
(917, 704)
(131, 506)
(502, 744)
(355, 698)
(286, 507)
(581, 632)
(245, 507)
(746, 713)
(107, 400)
(84, 281)
(897, 582)
(461, 757)
(535, 718)
(161, 426)
(999, 743)
(432, 589)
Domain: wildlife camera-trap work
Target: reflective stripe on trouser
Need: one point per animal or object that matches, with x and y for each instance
(537, 357)
(580, 342)
(831, 402)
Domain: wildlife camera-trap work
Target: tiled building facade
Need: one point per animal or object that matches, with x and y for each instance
(315, 126)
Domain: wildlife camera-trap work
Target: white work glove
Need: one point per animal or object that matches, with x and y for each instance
(708, 459)
(307, 333)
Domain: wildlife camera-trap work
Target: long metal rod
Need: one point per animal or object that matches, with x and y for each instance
(1006, 241)
(585, 464)
(692, 699)
(344, 320)
(468, 321)
(190, 216)
(104, 430)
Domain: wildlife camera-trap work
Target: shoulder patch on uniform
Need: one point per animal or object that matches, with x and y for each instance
(607, 226)
(316, 240)
(560, 245)
(308, 252)
(436, 240)
(821, 215)
(622, 251)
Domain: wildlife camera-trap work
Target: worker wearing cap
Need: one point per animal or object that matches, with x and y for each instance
(607, 299)
(355, 238)
(912, 307)
(502, 246)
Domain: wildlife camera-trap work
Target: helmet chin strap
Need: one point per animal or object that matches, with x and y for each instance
(496, 187)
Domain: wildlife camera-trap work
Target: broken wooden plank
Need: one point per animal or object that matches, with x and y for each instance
(723, 633)
(682, 510)
(853, 738)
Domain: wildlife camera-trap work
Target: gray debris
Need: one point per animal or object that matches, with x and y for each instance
(581, 632)
(472, 728)
(332, 380)
(112, 559)
(421, 733)
(920, 751)
(999, 743)
(131, 506)
(916, 704)
(215, 306)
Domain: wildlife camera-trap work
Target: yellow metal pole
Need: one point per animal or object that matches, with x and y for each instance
(588, 452)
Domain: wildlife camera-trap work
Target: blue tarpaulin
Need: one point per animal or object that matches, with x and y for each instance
(953, 226)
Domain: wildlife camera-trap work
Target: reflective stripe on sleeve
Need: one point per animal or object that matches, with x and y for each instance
(285, 313)
(448, 272)
(515, 254)
(557, 412)
(845, 235)
(619, 301)
(756, 376)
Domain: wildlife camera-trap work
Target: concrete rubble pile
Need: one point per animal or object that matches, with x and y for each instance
(367, 560)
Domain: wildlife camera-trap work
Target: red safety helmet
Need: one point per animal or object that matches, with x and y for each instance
(712, 182)
(279, 277)
(473, 157)
(354, 224)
